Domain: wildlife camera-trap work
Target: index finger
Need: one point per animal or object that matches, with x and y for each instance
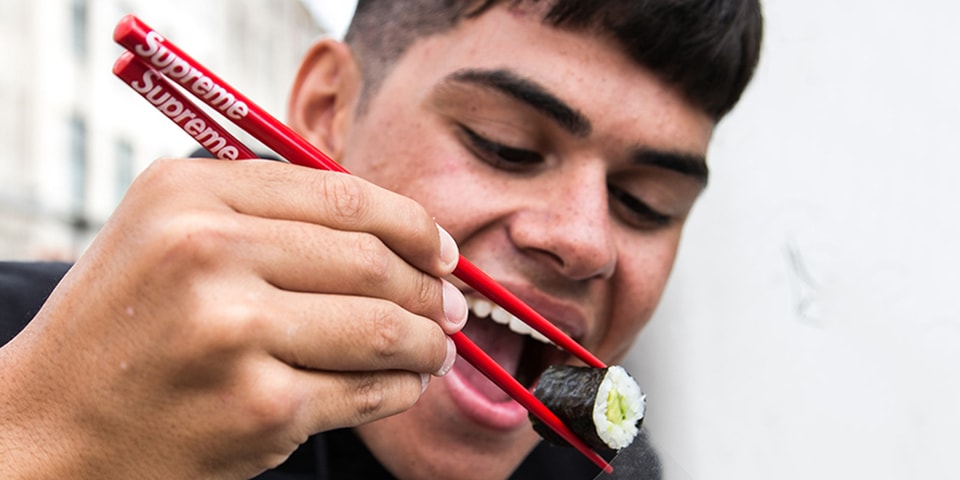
(336, 200)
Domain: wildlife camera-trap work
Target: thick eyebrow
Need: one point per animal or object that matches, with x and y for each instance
(540, 98)
(530, 93)
(691, 165)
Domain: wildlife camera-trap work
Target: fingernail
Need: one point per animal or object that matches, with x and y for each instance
(454, 307)
(424, 382)
(449, 252)
(451, 357)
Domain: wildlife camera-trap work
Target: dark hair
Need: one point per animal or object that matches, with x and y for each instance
(707, 48)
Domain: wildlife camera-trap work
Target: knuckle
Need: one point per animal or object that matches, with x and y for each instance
(229, 324)
(196, 237)
(427, 296)
(387, 332)
(370, 396)
(345, 196)
(216, 331)
(158, 172)
(166, 174)
(373, 259)
(271, 408)
(382, 394)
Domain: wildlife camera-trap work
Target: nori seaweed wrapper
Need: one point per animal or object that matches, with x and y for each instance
(570, 392)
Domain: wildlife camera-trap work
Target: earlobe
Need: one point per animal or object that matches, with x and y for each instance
(323, 96)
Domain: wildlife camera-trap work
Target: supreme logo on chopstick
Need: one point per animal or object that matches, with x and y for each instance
(178, 69)
(165, 96)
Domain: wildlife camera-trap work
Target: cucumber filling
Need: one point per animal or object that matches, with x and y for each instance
(616, 408)
(619, 408)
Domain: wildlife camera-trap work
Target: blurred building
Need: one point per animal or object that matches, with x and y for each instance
(72, 136)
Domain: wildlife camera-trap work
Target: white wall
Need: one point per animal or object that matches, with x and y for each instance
(809, 331)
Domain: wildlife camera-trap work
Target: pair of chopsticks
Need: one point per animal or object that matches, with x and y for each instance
(150, 66)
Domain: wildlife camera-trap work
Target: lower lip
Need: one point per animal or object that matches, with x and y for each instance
(508, 415)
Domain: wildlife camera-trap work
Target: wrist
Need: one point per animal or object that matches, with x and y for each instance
(37, 440)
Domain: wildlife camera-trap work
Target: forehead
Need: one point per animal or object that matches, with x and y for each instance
(590, 73)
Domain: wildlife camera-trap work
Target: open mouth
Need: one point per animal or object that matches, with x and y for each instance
(520, 350)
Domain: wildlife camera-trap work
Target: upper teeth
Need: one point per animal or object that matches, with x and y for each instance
(483, 308)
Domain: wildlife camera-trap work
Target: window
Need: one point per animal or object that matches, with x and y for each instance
(78, 28)
(123, 153)
(78, 165)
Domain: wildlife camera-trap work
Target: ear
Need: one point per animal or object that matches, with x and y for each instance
(323, 96)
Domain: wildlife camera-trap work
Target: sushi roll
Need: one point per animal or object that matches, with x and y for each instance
(603, 406)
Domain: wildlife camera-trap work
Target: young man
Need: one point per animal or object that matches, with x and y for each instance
(231, 311)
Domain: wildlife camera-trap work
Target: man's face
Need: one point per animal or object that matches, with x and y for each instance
(564, 171)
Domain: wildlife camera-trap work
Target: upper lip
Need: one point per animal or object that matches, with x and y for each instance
(566, 316)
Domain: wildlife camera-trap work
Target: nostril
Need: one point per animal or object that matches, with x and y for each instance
(581, 265)
(551, 258)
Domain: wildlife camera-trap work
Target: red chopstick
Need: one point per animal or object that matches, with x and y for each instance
(171, 101)
(168, 98)
(140, 39)
(137, 37)
(489, 367)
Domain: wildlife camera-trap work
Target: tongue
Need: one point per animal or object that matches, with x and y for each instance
(501, 344)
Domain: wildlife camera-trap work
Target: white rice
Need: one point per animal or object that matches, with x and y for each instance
(620, 433)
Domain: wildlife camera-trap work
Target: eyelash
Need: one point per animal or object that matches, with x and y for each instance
(644, 217)
(638, 213)
(499, 155)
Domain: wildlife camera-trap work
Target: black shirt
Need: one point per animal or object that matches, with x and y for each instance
(333, 455)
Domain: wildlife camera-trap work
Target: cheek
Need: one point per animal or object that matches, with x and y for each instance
(421, 161)
(627, 321)
(638, 286)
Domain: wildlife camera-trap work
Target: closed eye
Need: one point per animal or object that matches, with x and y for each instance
(635, 212)
(499, 155)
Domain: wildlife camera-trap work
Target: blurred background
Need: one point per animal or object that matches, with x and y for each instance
(806, 331)
(74, 136)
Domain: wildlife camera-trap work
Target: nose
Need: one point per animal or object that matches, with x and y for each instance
(568, 226)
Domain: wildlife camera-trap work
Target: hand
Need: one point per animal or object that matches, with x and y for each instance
(225, 312)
